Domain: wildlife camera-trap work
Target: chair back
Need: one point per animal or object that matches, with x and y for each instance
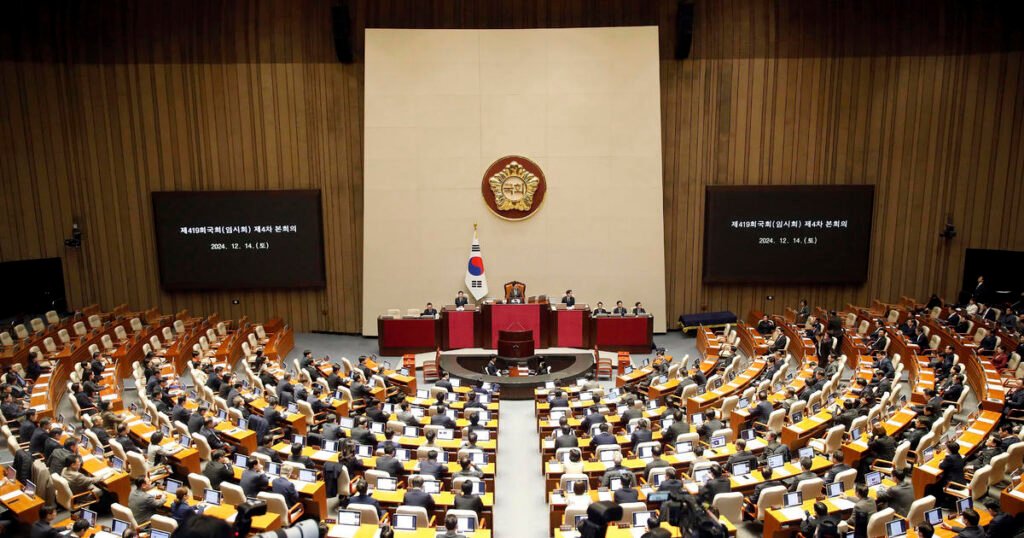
(730, 436)
(628, 509)
(202, 445)
(422, 519)
(137, 465)
(367, 514)
(776, 420)
(467, 514)
(729, 505)
(877, 521)
(44, 482)
(371, 476)
(770, 498)
(980, 482)
(569, 478)
(52, 318)
(998, 473)
(276, 504)
(915, 516)
(163, 523)
(728, 405)
(80, 329)
(122, 512)
(847, 477)
(198, 483)
(233, 494)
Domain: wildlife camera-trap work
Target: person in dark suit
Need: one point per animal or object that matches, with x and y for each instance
(884, 363)
(838, 466)
(679, 426)
(952, 470)
(492, 367)
(718, 484)
(219, 469)
(126, 442)
(297, 457)
(599, 310)
(671, 481)
(638, 309)
(767, 473)
(432, 467)
(619, 310)
(603, 436)
(429, 310)
(953, 392)
(211, 435)
(760, 412)
(179, 413)
(389, 464)
(765, 326)
(568, 299)
(774, 447)
(594, 417)
(881, 446)
(42, 528)
(197, 419)
(972, 530)
(566, 438)
(642, 434)
(28, 426)
(266, 448)
(467, 500)
(656, 461)
(980, 289)
(900, 496)
(809, 527)
(253, 479)
(807, 474)
(741, 455)
(362, 498)
(283, 485)
(441, 419)
(780, 343)
(625, 494)
(415, 496)
(460, 300)
(915, 434)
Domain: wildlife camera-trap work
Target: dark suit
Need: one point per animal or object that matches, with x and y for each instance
(761, 487)
(252, 482)
(195, 423)
(626, 495)
(367, 500)
(898, 497)
(390, 465)
(180, 414)
(569, 301)
(762, 411)
(433, 468)
(461, 301)
(42, 529)
(285, 487)
(218, 472)
(603, 438)
(620, 311)
(952, 467)
(566, 441)
(953, 393)
(469, 502)
(780, 344)
(418, 497)
(830, 476)
(714, 487)
(442, 420)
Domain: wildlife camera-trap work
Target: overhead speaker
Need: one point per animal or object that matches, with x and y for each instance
(684, 29)
(341, 27)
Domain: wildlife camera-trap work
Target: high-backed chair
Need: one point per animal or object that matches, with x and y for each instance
(232, 493)
(915, 516)
(422, 518)
(367, 514)
(198, 483)
(877, 521)
(68, 500)
(729, 505)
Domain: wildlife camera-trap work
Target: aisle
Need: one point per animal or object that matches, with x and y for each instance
(521, 510)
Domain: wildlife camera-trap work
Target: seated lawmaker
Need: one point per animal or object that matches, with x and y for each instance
(638, 309)
(568, 299)
(460, 300)
(619, 309)
(600, 309)
(429, 310)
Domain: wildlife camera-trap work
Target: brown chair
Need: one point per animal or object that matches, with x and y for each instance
(515, 285)
(430, 370)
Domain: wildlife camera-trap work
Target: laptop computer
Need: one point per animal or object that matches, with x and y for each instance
(241, 460)
(385, 483)
(349, 518)
(834, 489)
(896, 528)
(307, 475)
(701, 476)
(211, 497)
(171, 485)
(872, 479)
(933, 516)
(153, 533)
(741, 468)
(405, 522)
(88, 515)
(793, 499)
(964, 504)
(718, 441)
(640, 518)
(431, 486)
(776, 460)
(806, 452)
(118, 526)
(466, 524)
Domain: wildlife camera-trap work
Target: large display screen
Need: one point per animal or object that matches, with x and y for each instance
(806, 234)
(239, 239)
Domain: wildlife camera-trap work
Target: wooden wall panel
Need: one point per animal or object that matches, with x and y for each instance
(105, 101)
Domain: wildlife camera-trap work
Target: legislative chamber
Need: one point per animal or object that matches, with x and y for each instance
(512, 269)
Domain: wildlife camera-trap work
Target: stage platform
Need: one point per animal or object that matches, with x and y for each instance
(567, 364)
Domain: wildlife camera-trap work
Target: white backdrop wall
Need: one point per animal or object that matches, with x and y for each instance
(442, 105)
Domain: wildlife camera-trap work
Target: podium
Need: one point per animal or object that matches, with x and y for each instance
(503, 317)
(570, 327)
(515, 344)
(460, 328)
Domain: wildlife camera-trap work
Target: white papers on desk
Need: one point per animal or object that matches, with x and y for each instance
(841, 503)
(135, 422)
(103, 473)
(109, 397)
(10, 495)
(343, 531)
(744, 480)
(792, 513)
(604, 496)
(976, 432)
(322, 455)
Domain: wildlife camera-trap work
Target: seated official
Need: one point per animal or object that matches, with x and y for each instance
(143, 504)
(429, 310)
(43, 528)
(253, 479)
(451, 526)
(461, 300)
(181, 511)
(361, 497)
(284, 486)
(515, 296)
(638, 309)
(599, 310)
(467, 500)
(568, 299)
(619, 310)
(415, 496)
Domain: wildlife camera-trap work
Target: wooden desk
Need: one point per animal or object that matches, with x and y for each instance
(969, 439)
(25, 508)
(267, 522)
(699, 403)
